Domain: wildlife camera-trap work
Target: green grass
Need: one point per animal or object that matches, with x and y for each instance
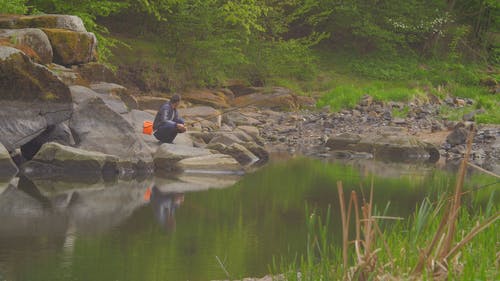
(404, 239)
(344, 78)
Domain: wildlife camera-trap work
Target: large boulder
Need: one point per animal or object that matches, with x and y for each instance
(32, 98)
(97, 127)
(69, 22)
(7, 166)
(63, 162)
(168, 154)
(72, 47)
(33, 42)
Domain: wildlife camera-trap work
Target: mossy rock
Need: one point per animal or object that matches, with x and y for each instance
(31, 98)
(21, 79)
(72, 47)
(68, 22)
(33, 42)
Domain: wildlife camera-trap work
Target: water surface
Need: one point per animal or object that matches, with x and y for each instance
(164, 229)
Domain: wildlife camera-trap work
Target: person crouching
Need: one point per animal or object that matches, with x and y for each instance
(167, 123)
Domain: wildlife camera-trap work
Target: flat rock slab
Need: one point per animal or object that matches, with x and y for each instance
(386, 146)
(63, 162)
(168, 154)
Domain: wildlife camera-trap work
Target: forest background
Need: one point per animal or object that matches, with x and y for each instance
(334, 50)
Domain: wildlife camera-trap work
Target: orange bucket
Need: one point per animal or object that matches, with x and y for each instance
(147, 127)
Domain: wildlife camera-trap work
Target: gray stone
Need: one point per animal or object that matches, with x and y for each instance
(32, 98)
(68, 163)
(258, 151)
(98, 128)
(83, 94)
(385, 146)
(226, 139)
(244, 156)
(31, 40)
(65, 74)
(168, 154)
(458, 136)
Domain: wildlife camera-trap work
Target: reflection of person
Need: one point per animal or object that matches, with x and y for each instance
(164, 206)
(167, 123)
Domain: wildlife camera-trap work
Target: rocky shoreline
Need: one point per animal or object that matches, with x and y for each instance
(63, 115)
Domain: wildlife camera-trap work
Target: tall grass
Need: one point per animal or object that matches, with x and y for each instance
(441, 241)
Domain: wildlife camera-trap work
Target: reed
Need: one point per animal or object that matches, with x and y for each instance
(447, 232)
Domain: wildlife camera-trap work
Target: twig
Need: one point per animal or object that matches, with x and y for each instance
(223, 267)
(476, 230)
(483, 170)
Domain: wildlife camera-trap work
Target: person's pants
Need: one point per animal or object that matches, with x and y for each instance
(166, 134)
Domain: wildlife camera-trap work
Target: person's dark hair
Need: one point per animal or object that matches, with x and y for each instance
(175, 98)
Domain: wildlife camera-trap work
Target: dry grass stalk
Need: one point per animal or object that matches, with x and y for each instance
(345, 228)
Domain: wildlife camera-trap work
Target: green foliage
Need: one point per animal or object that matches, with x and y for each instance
(398, 247)
(87, 11)
(13, 7)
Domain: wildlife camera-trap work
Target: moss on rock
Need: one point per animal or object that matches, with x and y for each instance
(71, 47)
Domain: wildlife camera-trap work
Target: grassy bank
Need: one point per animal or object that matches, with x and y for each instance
(395, 252)
(343, 78)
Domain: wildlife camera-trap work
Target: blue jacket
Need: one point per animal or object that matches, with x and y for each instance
(167, 116)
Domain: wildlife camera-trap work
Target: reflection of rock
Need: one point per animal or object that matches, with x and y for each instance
(98, 210)
(194, 182)
(7, 166)
(22, 214)
(213, 162)
(368, 167)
